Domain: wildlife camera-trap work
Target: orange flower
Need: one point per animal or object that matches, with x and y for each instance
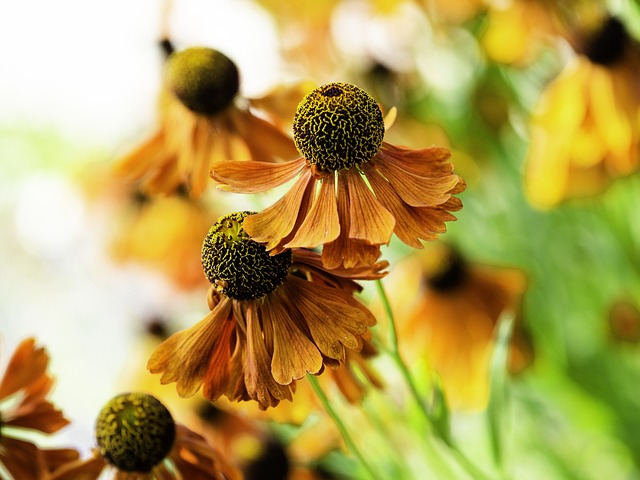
(138, 440)
(23, 390)
(273, 319)
(338, 129)
(447, 311)
(202, 119)
(585, 128)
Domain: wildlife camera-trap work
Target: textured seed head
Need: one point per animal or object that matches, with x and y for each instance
(203, 79)
(237, 266)
(337, 126)
(135, 432)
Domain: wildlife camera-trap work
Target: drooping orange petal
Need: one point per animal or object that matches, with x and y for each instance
(85, 469)
(276, 222)
(415, 190)
(40, 415)
(141, 159)
(260, 384)
(253, 177)
(321, 225)
(407, 227)
(198, 173)
(294, 354)
(368, 219)
(425, 162)
(163, 179)
(216, 380)
(345, 252)
(22, 459)
(266, 142)
(55, 458)
(333, 324)
(26, 366)
(184, 357)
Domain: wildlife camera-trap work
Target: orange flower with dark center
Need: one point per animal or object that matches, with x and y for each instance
(203, 118)
(368, 189)
(448, 309)
(137, 438)
(23, 407)
(273, 319)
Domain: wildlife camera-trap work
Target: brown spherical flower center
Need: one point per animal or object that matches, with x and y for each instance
(204, 80)
(337, 126)
(237, 266)
(135, 432)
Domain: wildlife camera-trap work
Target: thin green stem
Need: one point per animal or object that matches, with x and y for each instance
(406, 374)
(346, 436)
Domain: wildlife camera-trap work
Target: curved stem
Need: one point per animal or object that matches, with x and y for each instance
(406, 374)
(346, 436)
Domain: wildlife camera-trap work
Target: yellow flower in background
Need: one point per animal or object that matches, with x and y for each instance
(24, 408)
(164, 234)
(517, 30)
(203, 118)
(368, 189)
(447, 310)
(273, 319)
(584, 129)
(138, 439)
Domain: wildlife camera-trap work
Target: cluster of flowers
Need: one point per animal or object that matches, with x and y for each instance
(279, 309)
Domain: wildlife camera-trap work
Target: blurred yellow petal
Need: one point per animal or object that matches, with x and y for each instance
(609, 111)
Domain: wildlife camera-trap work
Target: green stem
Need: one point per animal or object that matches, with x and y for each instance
(404, 370)
(346, 436)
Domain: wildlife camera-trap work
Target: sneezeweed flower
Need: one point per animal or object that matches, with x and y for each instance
(273, 319)
(163, 234)
(24, 408)
(350, 380)
(203, 118)
(447, 310)
(584, 130)
(137, 438)
(368, 190)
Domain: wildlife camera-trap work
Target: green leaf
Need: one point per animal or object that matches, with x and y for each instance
(497, 410)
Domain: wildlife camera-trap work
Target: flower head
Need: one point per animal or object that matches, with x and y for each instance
(203, 118)
(24, 407)
(338, 126)
(135, 432)
(368, 189)
(136, 435)
(203, 79)
(273, 319)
